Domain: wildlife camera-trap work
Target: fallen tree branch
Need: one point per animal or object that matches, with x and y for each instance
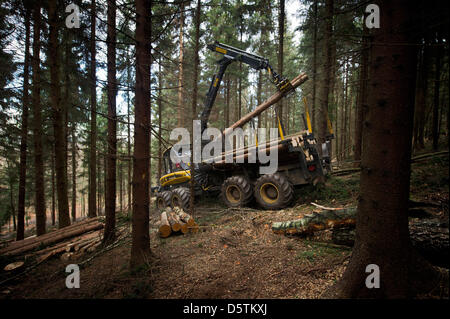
(34, 239)
(61, 236)
(316, 221)
(326, 208)
(423, 156)
(414, 159)
(346, 171)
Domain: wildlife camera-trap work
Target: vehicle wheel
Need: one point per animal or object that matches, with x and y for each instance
(163, 200)
(181, 197)
(236, 191)
(273, 191)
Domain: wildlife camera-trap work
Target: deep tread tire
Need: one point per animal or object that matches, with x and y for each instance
(236, 191)
(181, 197)
(273, 191)
(163, 199)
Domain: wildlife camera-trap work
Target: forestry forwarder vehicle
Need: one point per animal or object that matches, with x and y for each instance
(299, 161)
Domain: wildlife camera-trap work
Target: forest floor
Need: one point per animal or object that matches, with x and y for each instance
(234, 255)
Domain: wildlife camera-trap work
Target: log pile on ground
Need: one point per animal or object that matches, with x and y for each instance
(176, 221)
(316, 221)
(69, 242)
(430, 236)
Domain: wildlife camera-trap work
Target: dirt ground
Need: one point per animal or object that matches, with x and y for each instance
(234, 255)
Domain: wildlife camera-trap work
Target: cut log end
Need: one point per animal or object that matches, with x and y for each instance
(184, 228)
(194, 228)
(165, 231)
(14, 266)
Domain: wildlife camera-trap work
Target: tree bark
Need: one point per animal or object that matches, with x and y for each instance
(194, 98)
(57, 237)
(423, 93)
(74, 173)
(281, 18)
(140, 249)
(345, 132)
(361, 104)
(129, 182)
(58, 118)
(297, 81)
(92, 196)
(164, 229)
(160, 151)
(313, 222)
(437, 76)
(11, 196)
(258, 96)
(99, 187)
(382, 218)
(37, 119)
(120, 173)
(110, 186)
(53, 187)
(322, 121)
(314, 75)
(181, 70)
(24, 131)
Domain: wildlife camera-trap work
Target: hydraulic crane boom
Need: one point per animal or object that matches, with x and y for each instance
(231, 54)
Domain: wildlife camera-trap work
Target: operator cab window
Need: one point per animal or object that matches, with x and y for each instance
(182, 158)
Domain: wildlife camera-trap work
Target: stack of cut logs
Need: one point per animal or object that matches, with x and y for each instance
(175, 220)
(69, 242)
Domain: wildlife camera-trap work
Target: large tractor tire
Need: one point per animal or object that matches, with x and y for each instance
(236, 191)
(181, 197)
(273, 191)
(163, 200)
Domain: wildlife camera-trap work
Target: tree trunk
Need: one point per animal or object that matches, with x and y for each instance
(422, 113)
(140, 249)
(281, 18)
(331, 90)
(160, 151)
(346, 107)
(11, 196)
(322, 121)
(74, 173)
(297, 81)
(313, 222)
(181, 70)
(337, 126)
(314, 70)
(110, 186)
(51, 238)
(24, 132)
(37, 119)
(58, 121)
(99, 187)
(194, 96)
(92, 195)
(130, 160)
(119, 168)
(437, 76)
(361, 104)
(258, 96)
(421, 117)
(53, 187)
(428, 237)
(382, 218)
(349, 113)
(419, 99)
